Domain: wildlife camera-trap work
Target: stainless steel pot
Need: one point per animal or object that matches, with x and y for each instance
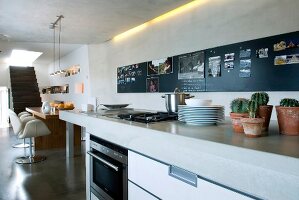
(173, 100)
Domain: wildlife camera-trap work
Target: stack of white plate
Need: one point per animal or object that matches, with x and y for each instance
(201, 115)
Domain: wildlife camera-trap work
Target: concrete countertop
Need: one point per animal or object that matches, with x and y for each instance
(266, 167)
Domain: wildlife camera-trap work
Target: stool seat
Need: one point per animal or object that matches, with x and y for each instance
(28, 127)
(22, 115)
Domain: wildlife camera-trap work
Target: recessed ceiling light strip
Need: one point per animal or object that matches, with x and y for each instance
(176, 11)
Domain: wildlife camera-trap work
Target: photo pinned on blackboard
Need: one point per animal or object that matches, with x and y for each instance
(280, 46)
(245, 63)
(245, 68)
(229, 65)
(214, 66)
(165, 65)
(152, 69)
(245, 53)
(245, 73)
(160, 66)
(229, 57)
(291, 44)
(262, 53)
(280, 60)
(191, 66)
(152, 84)
(292, 59)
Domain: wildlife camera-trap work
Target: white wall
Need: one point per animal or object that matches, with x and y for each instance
(4, 75)
(213, 23)
(76, 57)
(42, 74)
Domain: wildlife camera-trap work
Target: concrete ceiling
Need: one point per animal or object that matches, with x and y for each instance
(25, 24)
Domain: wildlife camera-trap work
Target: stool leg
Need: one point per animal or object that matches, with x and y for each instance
(21, 145)
(31, 158)
(30, 148)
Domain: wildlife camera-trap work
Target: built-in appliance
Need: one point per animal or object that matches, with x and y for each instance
(108, 170)
(147, 117)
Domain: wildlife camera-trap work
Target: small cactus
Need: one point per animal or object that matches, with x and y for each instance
(286, 102)
(252, 108)
(239, 105)
(261, 98)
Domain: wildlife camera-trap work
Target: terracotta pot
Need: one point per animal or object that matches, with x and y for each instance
(253, 126)
(265, 113)
(236, 122)
(288, 120)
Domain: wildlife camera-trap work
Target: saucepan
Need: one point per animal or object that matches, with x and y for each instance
(173, 100)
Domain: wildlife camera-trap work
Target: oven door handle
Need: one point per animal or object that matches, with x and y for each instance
(103, 161)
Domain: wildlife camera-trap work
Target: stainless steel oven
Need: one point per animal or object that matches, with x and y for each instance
(108, 170)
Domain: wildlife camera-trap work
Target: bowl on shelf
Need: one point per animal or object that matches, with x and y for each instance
(115, 106)
(198, 102)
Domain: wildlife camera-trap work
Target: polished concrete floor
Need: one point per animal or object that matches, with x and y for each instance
(56, 178)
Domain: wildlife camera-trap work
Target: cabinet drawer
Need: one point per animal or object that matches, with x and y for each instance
(136, 193)
(154, 177)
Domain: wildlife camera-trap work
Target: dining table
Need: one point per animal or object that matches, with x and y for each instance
(57, 138)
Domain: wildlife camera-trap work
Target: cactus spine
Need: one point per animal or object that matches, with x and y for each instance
(252, 108)
(286, 102)
(261, 98)
(239, 105)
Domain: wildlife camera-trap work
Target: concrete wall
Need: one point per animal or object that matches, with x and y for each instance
(77, 57)
(213, 23)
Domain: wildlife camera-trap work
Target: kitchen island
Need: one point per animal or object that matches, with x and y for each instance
(265, 168)
(57, 138)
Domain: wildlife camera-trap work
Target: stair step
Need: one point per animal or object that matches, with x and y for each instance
(21, 100)
(18, 110)
(28, 89)
(23, 84)
(20, 69)
(20, 74)
(23, 77)
(25, 97)
(26, 104)
(24, 93)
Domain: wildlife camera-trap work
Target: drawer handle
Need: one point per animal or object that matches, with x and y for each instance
(183, 175)
(102, 160)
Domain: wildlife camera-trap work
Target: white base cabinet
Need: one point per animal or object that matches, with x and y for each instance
(154, 177)
(136, 193)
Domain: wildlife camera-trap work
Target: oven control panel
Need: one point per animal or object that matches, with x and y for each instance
(109, 152)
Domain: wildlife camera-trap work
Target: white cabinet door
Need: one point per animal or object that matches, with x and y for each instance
(154, 177)
(136, 193)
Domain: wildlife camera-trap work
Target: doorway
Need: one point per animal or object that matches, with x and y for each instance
(4, 105)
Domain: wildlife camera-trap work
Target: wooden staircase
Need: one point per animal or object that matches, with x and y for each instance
(24, 88)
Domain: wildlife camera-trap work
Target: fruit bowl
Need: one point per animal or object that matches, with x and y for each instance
(72, 108)
(198, 102)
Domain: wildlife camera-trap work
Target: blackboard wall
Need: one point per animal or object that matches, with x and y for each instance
(264, 74)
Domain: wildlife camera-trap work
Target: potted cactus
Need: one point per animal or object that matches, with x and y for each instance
(252, 125)
(239, 110)
(264, 111)
(288, 116)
